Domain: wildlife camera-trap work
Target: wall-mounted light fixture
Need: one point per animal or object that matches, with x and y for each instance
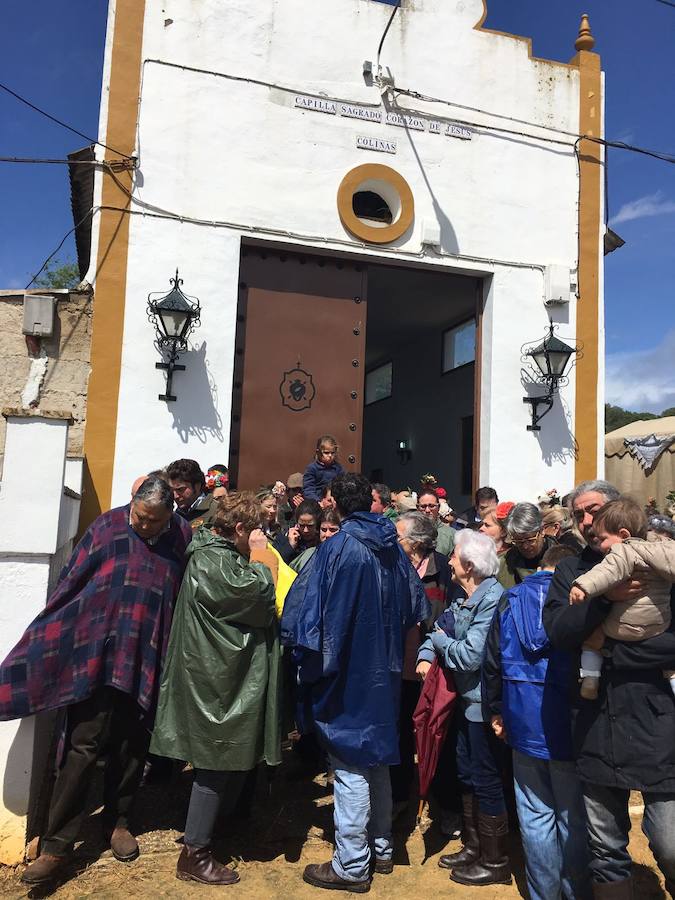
(175, 316)
(404, 452)
(550, 358)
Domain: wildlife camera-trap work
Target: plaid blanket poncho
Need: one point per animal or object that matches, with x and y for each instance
(106, 623)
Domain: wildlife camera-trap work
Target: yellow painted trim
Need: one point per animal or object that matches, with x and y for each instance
(526, 40)
(375, 172)
(590, 260)
(111, 265)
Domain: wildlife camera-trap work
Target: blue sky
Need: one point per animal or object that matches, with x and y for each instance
(53, 53)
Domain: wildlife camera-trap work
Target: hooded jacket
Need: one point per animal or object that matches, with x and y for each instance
(524, 679)
(346, 617)
(654, 563)
(219, 698)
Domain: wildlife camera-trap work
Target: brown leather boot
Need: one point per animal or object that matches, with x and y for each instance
(614, 890)
(197, 864)
(124, 845)
(494, 866)
(382, 866)
(471, 842)
(324, 875)
(46, 867)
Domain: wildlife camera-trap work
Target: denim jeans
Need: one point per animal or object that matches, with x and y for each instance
(362, 815)
(552, 820)
(478, 765)
(609, 824)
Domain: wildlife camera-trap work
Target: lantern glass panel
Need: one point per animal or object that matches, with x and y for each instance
(540, 357)
(558, 360)
(173, 322)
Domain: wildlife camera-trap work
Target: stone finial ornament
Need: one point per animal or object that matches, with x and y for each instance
(585, 40)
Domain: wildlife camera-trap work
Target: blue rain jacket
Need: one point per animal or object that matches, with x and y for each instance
(535, 677)
(346, 617)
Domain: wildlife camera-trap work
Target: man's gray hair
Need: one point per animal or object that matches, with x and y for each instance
(478, 550)
(608, 491)
(421, 530)
(524, 518)
(155, 492)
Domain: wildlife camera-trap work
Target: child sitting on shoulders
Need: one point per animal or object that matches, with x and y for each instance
(323, 468)
(620, 533)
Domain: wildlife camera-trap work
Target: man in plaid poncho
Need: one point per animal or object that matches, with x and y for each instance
(96, 649)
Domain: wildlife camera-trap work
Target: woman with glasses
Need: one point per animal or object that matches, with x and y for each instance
(558, 524)
(525, 528)
(429, 503)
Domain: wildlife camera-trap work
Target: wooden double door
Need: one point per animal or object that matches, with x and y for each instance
(299, 363)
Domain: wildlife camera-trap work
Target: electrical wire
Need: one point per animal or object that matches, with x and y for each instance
(483, 127)
(52, 118)
(84, 218)
(157, 212)
(117, 165)
(384, 35)
(667, 3)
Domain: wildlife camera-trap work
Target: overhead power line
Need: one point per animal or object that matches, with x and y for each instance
(384, 34)
(117, 165)
(62, 242)
(52, 118)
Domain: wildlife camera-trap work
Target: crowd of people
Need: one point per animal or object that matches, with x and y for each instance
(207, 625)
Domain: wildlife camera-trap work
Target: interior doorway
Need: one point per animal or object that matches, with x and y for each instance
(421, 344)
(381, 356)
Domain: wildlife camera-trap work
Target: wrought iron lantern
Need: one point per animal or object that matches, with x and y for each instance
(175, 316)
(551, 359)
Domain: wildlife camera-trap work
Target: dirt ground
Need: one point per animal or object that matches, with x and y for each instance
(290, 826)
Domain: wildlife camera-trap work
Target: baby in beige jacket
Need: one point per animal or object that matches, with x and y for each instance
(620, 530)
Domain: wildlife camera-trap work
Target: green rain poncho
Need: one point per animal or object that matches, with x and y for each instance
(219, 696)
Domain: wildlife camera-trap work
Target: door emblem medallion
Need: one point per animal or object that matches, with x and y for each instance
(297, 390)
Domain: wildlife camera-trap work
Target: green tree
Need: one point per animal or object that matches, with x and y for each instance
(617, 417)
(59, 275)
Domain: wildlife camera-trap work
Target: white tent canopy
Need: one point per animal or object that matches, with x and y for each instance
(627, 445)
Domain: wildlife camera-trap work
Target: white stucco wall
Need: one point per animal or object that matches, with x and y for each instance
(34, 542)
(23, 591)
(240, 158)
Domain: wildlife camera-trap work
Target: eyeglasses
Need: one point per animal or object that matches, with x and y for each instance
(428, 506)
(526, 539)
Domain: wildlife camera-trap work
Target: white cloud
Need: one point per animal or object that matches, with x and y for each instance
(649, 205)
(642, 380)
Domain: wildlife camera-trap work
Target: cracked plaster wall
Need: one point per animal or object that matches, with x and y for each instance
(63, 385)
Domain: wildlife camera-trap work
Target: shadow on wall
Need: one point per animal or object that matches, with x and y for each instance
(195, 411)
(449, 241)
(556, 439)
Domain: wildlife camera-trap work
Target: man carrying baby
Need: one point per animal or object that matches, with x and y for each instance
(625, 739)
(620, 534)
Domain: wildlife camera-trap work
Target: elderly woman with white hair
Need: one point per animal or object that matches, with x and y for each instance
(458, 641)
